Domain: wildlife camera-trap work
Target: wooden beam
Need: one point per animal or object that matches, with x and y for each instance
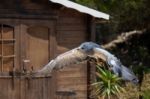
(91, 26)
(53, 52)
(93, 30)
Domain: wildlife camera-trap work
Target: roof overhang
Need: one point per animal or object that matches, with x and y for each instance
(82, 9)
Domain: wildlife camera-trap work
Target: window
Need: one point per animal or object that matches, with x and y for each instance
(23, 48)
(7, 44)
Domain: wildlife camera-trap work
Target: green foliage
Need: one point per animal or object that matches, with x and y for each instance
(107, 84)
(146, 94)
(126, 15)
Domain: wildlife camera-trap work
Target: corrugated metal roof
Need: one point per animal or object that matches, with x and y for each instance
(82, 8)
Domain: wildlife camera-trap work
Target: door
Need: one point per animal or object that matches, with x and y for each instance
(25, 47)
(38, 42)
(36, 54)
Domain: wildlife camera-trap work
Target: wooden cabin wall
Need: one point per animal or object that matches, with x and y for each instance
(71, 32)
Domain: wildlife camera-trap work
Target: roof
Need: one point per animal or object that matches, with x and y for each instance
(82, 8)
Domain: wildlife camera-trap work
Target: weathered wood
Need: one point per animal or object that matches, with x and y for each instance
(36, 88)
(20, 84)
(65, 29)
(7, 91)
(72, 31)
(72, 80)
(66, 95)
(37, 37)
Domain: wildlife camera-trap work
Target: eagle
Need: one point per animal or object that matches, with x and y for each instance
(85, 51)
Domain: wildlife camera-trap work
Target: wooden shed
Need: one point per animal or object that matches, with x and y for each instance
(32, 32)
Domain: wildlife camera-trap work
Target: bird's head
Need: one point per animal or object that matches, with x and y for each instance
(128, 75)
(135, 80)
(88, 46)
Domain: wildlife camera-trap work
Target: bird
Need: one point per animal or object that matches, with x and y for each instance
(85, 51)
(74, 56)
(117, 67)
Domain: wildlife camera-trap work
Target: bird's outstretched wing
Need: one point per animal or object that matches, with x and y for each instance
(71, 57)
(89, 49)
(115, 65)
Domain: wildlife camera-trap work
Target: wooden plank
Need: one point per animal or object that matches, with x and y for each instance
(65, 12)
(92, 68)
(67, 46)
(8, 56)
(69, 36)
(23, 38)
(73, 87)
(37, 88)
(72, 34)
(45, 88)
(70, 23)
(68, 27)
(32, 89)
(79, 74)
(37, 37)
(89, 79)
(81, 94)
(53, 41)
(93, 30)
(2, 51)
(53, 52)
(71, 20)
(70, 80)
(8, 92)
(8, 40)
(17, 47)
(68, 40)
(52, 87)
(4, 88)
(72, 31)
(14, 90)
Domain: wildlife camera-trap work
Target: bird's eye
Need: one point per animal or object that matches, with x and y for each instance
(82, 48)
(135, 80)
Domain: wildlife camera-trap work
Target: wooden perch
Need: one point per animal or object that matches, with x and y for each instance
(123, 38)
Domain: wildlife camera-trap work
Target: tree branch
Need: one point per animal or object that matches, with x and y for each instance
(123, 38)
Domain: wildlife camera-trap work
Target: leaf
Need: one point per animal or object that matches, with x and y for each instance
(107, 83)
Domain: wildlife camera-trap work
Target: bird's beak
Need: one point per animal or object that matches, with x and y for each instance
(78, 48)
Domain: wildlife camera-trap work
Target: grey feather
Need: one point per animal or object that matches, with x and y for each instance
(71, 57)
(117, 67)
(81, 53)
(128, 75)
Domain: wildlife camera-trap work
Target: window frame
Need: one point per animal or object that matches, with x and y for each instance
(5, 41)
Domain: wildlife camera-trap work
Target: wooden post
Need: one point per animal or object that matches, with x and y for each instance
(91, 26)
(93, 30)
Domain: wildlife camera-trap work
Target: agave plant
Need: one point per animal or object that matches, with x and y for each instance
(107, 84)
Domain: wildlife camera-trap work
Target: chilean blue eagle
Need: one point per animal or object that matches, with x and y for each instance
(82, 53)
